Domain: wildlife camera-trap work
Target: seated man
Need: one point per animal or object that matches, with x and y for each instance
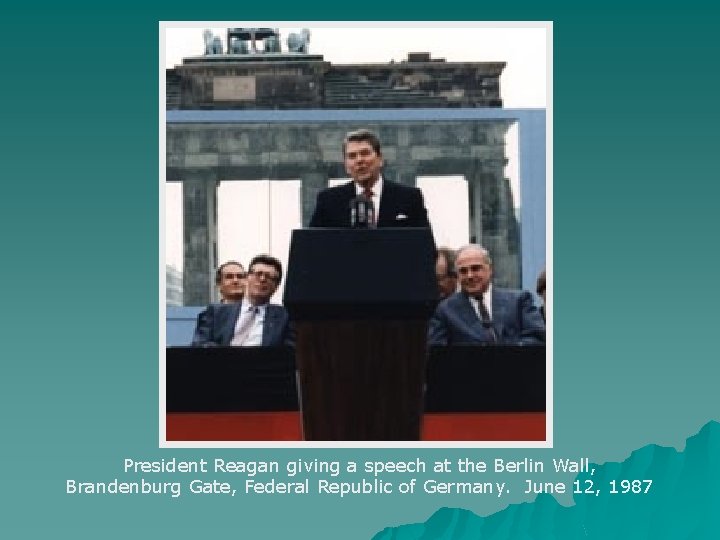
(482, 314)
(445, 272)
(540, 289)
(231, 280)
(252, 322)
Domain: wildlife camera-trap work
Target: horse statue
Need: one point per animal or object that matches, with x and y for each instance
(239, 46)
(299, 43)
(213, 44)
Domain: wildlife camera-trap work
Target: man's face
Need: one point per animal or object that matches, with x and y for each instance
(233, 280)
(473, 270)
(262, 282)
(362, 162)
(446, 282)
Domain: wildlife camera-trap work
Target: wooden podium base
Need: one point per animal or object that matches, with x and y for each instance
(361, 379)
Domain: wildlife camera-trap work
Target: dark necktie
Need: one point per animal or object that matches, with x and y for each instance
(482, 308)
(486, 321)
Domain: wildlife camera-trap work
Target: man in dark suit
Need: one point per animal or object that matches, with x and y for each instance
(396, 205)
(445, 272)
(483, 314)
(540, 289)
(253, 321)
(231, 280)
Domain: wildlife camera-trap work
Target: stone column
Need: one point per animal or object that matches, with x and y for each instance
(312, 184)
(199, 236)
(406, 173)
(493, 223)
(403, 168)
(475, 200)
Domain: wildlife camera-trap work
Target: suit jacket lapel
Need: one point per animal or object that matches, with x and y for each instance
(227, 326)
(348, 193)
(468, 314)
(475, 323)
(387, 204)
(269, 325)
(500, 310)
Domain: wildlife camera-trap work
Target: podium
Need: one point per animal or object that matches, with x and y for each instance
(360, 300)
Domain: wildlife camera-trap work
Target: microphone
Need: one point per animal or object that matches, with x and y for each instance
(362, 212)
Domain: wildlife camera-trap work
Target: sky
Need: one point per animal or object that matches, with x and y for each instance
(525, 47)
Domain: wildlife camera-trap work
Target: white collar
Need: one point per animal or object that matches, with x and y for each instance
(376, 189)
(247, 305)
(487, 300)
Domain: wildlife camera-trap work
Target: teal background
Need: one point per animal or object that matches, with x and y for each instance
(635, 265)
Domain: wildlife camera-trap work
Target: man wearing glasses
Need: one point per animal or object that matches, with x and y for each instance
(252, 322)
(481, 313)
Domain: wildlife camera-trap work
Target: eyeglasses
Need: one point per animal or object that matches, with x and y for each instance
(230, 275)
(259, 274)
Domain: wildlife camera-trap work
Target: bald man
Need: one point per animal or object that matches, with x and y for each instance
(482, 314)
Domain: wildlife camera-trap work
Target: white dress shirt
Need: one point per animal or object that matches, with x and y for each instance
(487, 300)
(377, 193)
(254, 334)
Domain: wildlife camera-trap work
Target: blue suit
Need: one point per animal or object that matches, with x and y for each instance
(515, 321)
(400, 206)
(216, 326)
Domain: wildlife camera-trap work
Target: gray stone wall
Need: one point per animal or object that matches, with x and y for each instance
(308, 82)
(201, 155)
(442, 84)
(250, 85)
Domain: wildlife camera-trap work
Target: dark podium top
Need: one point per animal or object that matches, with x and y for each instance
(382, 273)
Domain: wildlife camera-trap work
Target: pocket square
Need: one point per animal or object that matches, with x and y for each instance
(400, 216)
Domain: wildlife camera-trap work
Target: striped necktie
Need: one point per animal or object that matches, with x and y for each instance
(243, 332)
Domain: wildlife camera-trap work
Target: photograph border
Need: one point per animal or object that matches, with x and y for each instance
(535, 128)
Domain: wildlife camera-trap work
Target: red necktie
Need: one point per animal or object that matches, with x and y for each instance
(368, 192)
